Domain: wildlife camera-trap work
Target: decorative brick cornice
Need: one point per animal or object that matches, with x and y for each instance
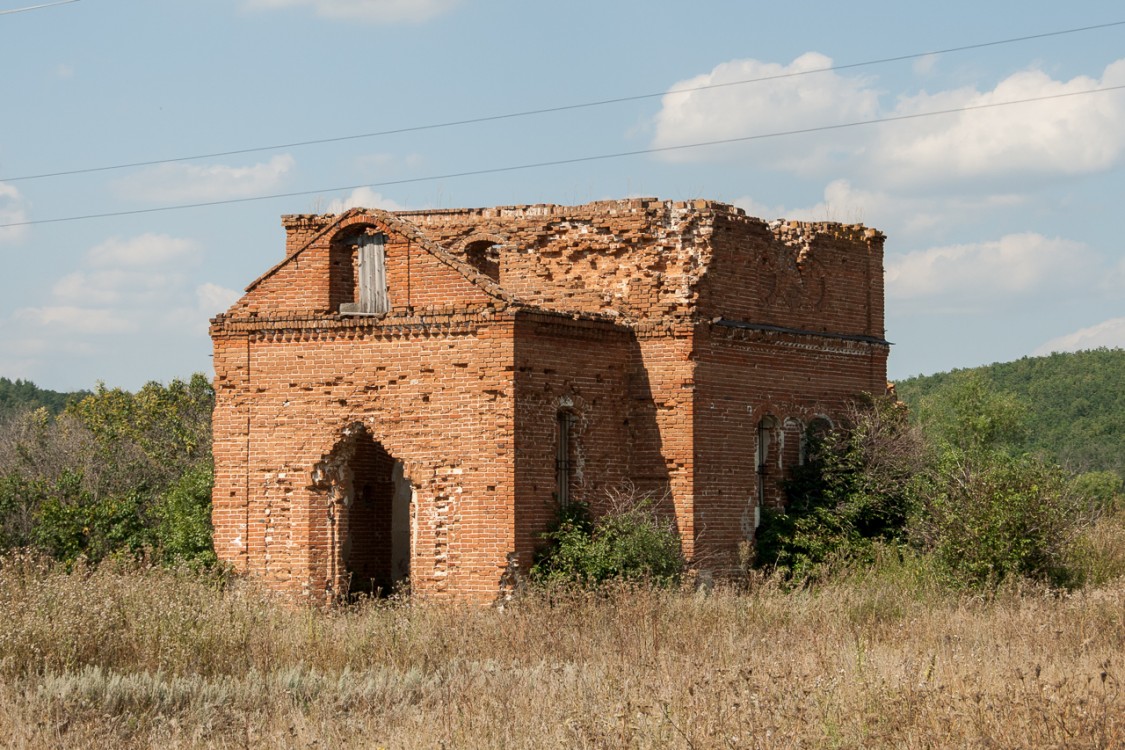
(329, 327)
(764, 334)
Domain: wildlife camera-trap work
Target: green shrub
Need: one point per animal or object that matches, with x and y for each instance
(631, 541)
(1102, 489)
(116, 474)
(990, 516)
(73, 522)
(855, 491)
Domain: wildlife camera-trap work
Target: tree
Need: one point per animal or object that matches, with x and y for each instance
(115, 473)
(988, 510)
(854, 491)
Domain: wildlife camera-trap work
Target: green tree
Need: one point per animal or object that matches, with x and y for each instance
(1075, 403)
(854, 491)
(990, 517)
(115, 473)
(988, 510)
(968, 414)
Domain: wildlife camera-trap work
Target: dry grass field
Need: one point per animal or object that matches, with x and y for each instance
(126, 657)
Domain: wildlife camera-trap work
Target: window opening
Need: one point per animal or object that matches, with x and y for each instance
(766, 429)
(484, 255)
(562, 458)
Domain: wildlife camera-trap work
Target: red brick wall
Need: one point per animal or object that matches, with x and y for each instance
(815, 277)
(318, 277)
(742, 377)
(437, 396)
(636, 258)
(583, 368)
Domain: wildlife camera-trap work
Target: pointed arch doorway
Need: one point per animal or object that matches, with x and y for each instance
(369, 516)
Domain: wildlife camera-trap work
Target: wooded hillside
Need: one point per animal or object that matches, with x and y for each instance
(22, 395)
(1075, 403)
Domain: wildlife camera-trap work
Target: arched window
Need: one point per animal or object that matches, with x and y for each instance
(815, 433)
(484, 255)
(766, 458)
(564, 466)
(360, 273)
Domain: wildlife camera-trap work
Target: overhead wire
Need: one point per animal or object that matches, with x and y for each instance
(570, 160)
(554, 109)
(36, 7)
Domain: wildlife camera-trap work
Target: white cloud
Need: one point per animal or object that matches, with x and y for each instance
(13, 210)
(116, 286)
(62, 70)
(842, 202)
(793, 99)
(126, 286)
(145, 250)
(925, 64)
(1072, 134)
(1067, 135)
(193, 182)
(981, 273)
(902, 215)
(372, 11)
(363, 197)
(213, 299)
(1108, 333)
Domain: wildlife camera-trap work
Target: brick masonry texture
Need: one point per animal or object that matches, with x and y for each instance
(683, 347)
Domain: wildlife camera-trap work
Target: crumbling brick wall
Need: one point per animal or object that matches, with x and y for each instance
(687, 345)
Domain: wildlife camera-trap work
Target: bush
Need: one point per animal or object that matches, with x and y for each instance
(988, 517)
(854, 492)
(631, 541)
(116, 474)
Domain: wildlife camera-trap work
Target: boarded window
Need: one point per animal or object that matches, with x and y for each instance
(373, 296)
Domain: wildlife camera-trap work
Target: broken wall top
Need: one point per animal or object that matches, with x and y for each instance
(644, 258)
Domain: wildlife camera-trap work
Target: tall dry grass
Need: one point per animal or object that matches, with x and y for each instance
(127, 657)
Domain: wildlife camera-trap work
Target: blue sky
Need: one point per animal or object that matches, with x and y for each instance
(1002, 227)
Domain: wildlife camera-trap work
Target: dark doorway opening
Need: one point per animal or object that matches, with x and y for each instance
(375, 522)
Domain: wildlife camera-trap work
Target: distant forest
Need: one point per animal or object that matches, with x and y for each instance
(22, 395)
(1075, 403)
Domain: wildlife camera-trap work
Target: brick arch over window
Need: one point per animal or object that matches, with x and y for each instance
(358, 273)
(816, 430)
(482, 252)
(565, 449)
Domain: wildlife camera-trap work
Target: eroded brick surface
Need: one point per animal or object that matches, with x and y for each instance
(677, 338)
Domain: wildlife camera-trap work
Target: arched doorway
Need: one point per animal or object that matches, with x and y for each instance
(370, 516)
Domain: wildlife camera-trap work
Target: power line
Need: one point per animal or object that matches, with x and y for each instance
(36, 7)
(551, 110)
(571, 160)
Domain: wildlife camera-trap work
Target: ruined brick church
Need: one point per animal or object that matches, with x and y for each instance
(413, 394)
